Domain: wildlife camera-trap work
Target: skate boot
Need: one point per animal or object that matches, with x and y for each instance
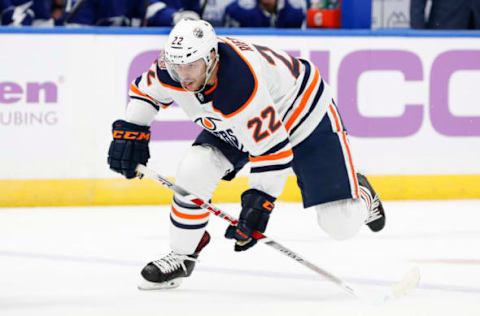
(376, 215)
(168, 272)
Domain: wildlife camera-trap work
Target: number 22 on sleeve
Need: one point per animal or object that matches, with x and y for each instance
(267, 116)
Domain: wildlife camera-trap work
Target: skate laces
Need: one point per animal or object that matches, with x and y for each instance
(374, 211)
(373, 204)
(172, 262)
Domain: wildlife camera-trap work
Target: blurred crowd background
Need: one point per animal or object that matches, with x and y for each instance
(418, 14)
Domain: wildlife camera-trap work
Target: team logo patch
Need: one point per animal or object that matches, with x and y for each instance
(207, 122)
(198, 32)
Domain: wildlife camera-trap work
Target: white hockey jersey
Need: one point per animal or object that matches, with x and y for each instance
(263, 102)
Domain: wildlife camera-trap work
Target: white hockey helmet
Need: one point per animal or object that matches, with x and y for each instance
(189, 41)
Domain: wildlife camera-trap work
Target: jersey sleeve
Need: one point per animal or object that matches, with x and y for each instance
(265, 138)
(147, 97)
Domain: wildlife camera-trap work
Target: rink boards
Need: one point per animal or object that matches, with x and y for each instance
(409, 101)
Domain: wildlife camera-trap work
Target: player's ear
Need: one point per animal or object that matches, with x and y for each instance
(213, 55)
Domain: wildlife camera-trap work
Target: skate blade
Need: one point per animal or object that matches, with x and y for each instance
(152, 286)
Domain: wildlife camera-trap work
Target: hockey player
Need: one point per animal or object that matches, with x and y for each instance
(169, 12)
(105, 13)
(255, 105)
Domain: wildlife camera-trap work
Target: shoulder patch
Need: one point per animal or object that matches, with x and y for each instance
(237, 83)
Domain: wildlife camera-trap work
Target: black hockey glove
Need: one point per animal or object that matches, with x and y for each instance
(128, 148)
(256, 209)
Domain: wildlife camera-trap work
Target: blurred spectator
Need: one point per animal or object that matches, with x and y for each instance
(106, 13)
(234, 13)
(26, 12)
(266, 13)
(131, 12)
(445, 14)
(169, 12)
(60, 9)
(214, 11)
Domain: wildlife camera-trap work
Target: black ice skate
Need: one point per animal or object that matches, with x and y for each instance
(376, 214)
(168, 272)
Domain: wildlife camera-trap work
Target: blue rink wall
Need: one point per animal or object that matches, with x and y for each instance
(409, 99)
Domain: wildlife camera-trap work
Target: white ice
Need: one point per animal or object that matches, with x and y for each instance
(86, 261)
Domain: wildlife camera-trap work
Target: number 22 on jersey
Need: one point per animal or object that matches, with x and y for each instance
(267, 116)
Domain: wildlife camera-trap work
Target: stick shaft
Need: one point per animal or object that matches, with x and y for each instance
(149, 173)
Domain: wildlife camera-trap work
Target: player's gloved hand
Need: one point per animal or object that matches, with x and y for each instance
(256, 209)
(128, 148)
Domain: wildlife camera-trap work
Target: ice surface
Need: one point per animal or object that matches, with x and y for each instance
(86, 261)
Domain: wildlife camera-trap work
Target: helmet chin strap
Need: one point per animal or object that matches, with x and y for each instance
(208, 75)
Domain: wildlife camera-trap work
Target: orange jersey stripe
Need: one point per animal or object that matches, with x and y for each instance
(189, 216)
(339, 129)
(335, 117)
(304, 100)
(280, 155)
(134, 89)
(212, 88)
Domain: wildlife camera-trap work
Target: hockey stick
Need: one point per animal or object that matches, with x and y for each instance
(399, 289)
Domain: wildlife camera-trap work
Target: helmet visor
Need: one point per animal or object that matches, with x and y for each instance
(187, 74)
